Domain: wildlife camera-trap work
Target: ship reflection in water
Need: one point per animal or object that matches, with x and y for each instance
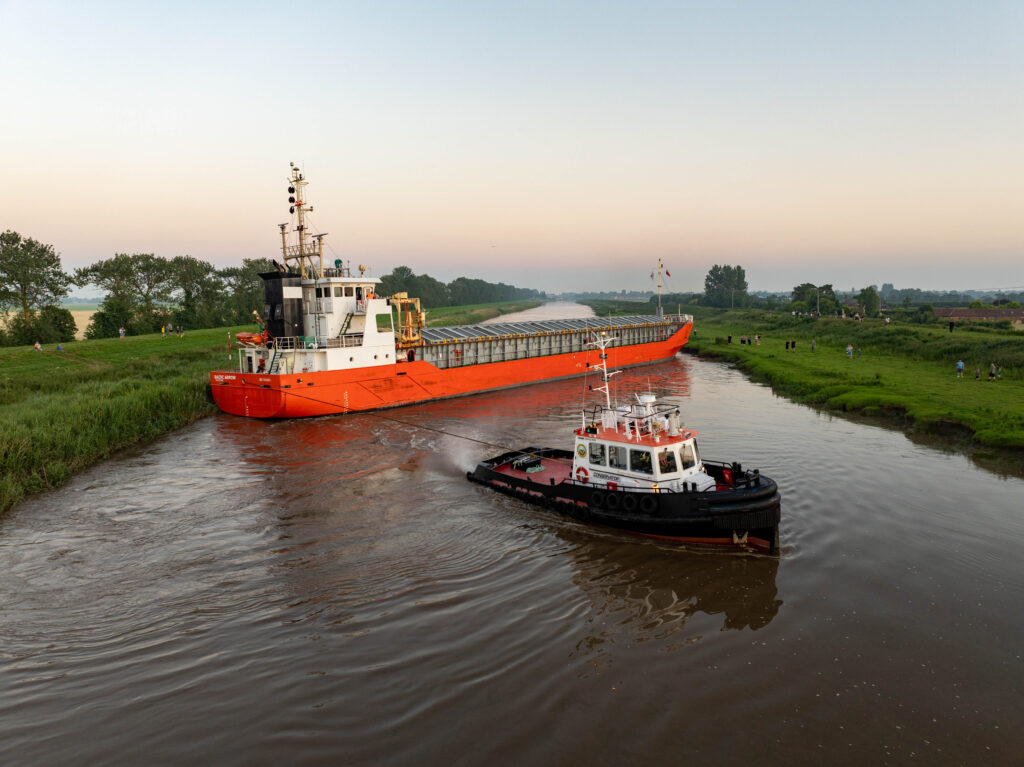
(651, 590)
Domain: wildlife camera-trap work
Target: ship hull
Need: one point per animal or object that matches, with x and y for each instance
(743, 514)
(327, 392)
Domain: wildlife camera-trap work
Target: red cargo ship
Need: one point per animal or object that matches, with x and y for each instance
(360, 351)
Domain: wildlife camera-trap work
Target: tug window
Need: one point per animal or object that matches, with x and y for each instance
(350, 291)
(338, 292)
(640, 461)
(596, 454)
(616, 457)
(687, 455)
(666, 461)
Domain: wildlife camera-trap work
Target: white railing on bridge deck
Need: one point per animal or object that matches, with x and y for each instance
(288, 343)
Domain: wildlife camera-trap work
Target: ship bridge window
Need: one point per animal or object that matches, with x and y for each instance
(597, 454)
(687, 454)
(338, 292)
(667, 461)
(640, 461)
(616, 457)
(350, 291)
(266, 311)
(278, 311)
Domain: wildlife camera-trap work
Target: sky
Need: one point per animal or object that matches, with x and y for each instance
(554, 145)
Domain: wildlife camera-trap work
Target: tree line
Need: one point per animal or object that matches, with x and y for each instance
(145, 291)
(462, 291)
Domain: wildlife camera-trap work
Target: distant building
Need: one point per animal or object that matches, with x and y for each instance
(985, 314)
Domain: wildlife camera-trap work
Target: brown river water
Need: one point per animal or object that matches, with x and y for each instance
(333, 591)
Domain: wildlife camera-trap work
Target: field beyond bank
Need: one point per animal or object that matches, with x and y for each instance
(61, 412)
(904, 372)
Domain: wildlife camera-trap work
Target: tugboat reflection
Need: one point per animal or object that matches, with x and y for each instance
(654, 589)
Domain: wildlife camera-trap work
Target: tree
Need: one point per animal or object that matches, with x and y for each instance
(726, 286)
(819, 298)
(868, 301)
(114, 313)
(201, 303)
(399, 281)
(142, 280)
(30, 276)
(243, 289)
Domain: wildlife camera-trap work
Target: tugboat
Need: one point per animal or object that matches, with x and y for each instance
(637, 469)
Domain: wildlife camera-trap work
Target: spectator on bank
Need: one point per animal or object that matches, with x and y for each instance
(959, 368)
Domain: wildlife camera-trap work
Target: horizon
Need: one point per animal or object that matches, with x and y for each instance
(563, 147)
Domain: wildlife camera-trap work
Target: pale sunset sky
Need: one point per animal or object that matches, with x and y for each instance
(554, 145)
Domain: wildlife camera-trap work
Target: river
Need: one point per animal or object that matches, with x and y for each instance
(333, 590)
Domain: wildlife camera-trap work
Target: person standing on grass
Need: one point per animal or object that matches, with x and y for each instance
(849, 351)
(959, 368)
(163, 331)
(977, 374)
(121, 332)
(814, 345)
(992, 372)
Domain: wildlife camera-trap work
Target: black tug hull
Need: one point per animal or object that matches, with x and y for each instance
(744, 516)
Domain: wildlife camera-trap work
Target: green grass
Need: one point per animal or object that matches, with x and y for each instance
(63, 411)
(904, 370)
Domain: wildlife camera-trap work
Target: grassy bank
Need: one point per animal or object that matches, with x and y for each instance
(63, 411)
(902, 370)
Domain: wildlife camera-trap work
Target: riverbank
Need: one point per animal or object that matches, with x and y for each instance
(64, 411)
(474, 314)
(902, 372)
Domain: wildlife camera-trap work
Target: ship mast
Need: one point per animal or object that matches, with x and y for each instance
(608, 419)
(660, 314)
(310, 257)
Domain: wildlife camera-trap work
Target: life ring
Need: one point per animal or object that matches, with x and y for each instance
(629, 504)
(597, 499)
(582, 474)
(648, 504)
